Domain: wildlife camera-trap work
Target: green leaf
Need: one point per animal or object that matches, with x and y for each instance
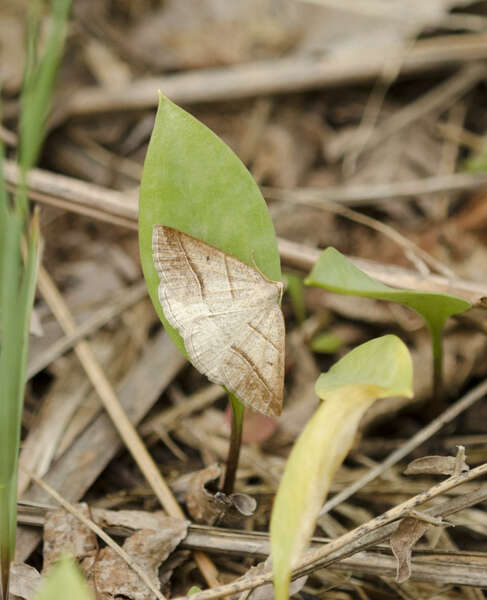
(326, 343)
(64, 580)
(377, 369)
(193, 182)
(334, 272)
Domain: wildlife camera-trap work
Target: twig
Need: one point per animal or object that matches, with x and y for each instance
(117, 414)
(115, 207)
(375, 193)
(99, 532)
(421, 436)
(277, 76)
(315, 558)
(256, 544)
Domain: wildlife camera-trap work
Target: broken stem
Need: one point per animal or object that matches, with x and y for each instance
(237, 412)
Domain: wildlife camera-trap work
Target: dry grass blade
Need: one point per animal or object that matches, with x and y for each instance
(116, 412)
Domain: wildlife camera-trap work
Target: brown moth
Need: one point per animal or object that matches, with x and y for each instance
(227, 314)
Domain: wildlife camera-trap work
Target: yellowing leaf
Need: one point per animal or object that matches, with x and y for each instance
(64, 580)
(376, 369)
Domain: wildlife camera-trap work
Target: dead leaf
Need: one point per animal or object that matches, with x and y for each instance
(200, 501)
(24, 580)
(136, 519)
(434, 465)
(208, 505)
(63, 532)
(148, 549)
(408, 532)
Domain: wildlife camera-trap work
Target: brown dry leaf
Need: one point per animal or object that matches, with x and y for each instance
(24, 580)
(209, 507)
(63, 532)
(114, 578)
(408, 532)
(137, 519)
(434, 465)
(201, 503)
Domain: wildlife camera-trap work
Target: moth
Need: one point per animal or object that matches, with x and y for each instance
(228, 315)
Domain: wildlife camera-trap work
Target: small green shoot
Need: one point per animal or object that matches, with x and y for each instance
(326, 343)
(295, 290)
(63, 581)
(192, 181)
(334, 272)
(377, 369)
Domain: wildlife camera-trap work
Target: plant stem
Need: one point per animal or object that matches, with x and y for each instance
(237, 410)
(437, 391)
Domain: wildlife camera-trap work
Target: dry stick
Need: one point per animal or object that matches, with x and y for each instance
(285, 75)
(357, 195)
(121, 208)
(256, 544)
(119, 418)
(99, 532)
(433, 427)
(115, 207)
(315, 557)
(92, 324)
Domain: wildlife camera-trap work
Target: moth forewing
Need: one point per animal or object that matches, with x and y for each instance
(227, 314)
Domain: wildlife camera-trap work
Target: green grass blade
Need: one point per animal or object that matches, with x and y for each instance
(39, 79)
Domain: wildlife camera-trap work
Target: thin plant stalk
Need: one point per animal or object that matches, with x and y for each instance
(237, 416)
(437, 348)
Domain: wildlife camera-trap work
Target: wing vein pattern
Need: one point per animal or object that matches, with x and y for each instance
(227, 314)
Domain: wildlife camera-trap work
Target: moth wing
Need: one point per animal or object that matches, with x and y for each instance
(227, 314)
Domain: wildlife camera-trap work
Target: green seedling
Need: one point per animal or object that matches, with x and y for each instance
(64, 580)
(334, 272)
(19, 241)
(295, 290)
(326, 343)
(377, 369)
(194, 183)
